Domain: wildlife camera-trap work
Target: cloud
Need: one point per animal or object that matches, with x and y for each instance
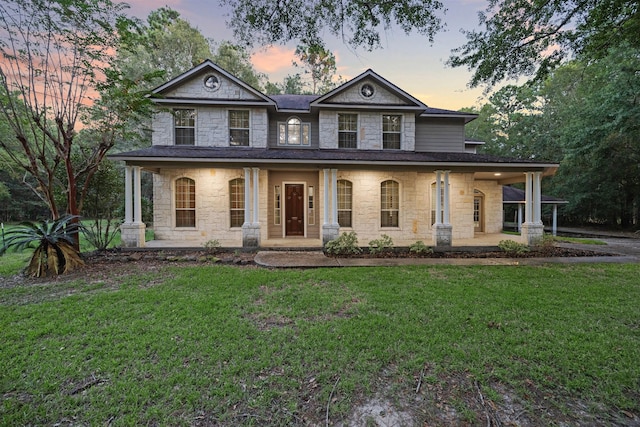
(273, 59)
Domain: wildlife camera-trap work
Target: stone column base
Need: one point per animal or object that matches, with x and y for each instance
(330, 232)
(442, 234)
(532, 233)
(132, 235)
(250, 235)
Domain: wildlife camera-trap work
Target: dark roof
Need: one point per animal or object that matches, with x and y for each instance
(516, 195)
(247, 154)
(293, 102)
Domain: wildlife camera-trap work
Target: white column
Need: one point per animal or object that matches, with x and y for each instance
(128, 197)
(137, 195)
(519, 216)
(247, 195)
(446, 198)
(256, 200)
(528, 198)
(554, 229)
(325, 172)
(438, 198)
(537, 198)
(334, 196)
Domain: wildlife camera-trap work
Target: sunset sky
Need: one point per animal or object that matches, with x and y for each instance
(409, 62)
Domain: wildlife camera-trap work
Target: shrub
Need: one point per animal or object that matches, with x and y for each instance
(54, 252)
(345, 244)
(420, 248)
(513, 247)
(212, 246)
(383, 244)
(101, 232)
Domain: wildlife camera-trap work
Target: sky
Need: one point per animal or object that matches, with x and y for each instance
(409, 62)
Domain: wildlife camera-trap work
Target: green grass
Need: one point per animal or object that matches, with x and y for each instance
(250, 346)
(580, 240)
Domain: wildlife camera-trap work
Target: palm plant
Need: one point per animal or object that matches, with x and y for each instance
(54, 252)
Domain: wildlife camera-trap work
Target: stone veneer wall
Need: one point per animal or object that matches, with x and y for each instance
(369, 130)
(212, 127)
(212, 206)
(493, 209)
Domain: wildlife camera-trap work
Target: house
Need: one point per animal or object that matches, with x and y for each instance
(232, 164)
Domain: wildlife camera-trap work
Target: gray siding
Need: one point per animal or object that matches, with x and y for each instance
(274, 119)
(440, 135)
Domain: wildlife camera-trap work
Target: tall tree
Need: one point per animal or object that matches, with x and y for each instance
(56, 57)
(320, 65)
(531, 38)
(358, 23)
(236, 60)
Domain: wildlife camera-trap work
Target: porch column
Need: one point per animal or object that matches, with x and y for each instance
(554, 229)
(519, 217)
(442, 230)
(330, 226)
(325, 205)
(537, 198)
(251, 226)
(532, 229)
(247, 195)
(128, 198)
(446, 218)
(132, 231)
(137, 195)
(256, 198)
(334, 197)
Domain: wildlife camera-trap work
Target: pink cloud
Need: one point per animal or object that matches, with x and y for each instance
(273, 59)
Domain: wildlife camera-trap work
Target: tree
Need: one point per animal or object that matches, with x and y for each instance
(236, 60)
(319, 64)
(358, 23)
(531, 38)
(56, 59)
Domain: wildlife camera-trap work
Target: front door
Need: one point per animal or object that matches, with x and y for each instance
(294, 209)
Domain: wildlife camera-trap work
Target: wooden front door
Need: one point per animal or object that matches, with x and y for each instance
(294, 209)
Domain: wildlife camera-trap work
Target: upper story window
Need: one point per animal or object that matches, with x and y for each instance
(347, 131)
(185, 199)
(239, 128)
(185, 126)
(294, 132)
(391, 125)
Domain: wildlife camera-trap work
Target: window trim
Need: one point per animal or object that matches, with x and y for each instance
(238, 199)
(176, 127)
(390, 209)
(387, 132)
(357, 122)
(178, 201)
(349, 184)
(286, 138)
(248, 128)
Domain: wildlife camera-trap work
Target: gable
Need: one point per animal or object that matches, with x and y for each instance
(208, 83)
(369, 90)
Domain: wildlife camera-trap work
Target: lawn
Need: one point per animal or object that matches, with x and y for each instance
(223, 345)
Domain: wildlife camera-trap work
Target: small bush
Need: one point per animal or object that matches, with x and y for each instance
(383, 244)
(345, 244)
(513, 247)
(420, 248)
(212, 246)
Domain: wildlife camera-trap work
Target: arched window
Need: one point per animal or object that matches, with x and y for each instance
(294, 132)
(236, 202)
(185, 196)
(389, 204)
(345, 202)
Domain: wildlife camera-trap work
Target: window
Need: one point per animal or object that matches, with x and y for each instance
(185, 127)
(391, 132)
(277, 205)
(236, 202)
(389, 204)
(185, 202)
(347, 131)
(345, 202)
(294, 132)
(239, 128)
(312, 207)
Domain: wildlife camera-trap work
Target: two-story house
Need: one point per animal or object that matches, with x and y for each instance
(232, 164)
